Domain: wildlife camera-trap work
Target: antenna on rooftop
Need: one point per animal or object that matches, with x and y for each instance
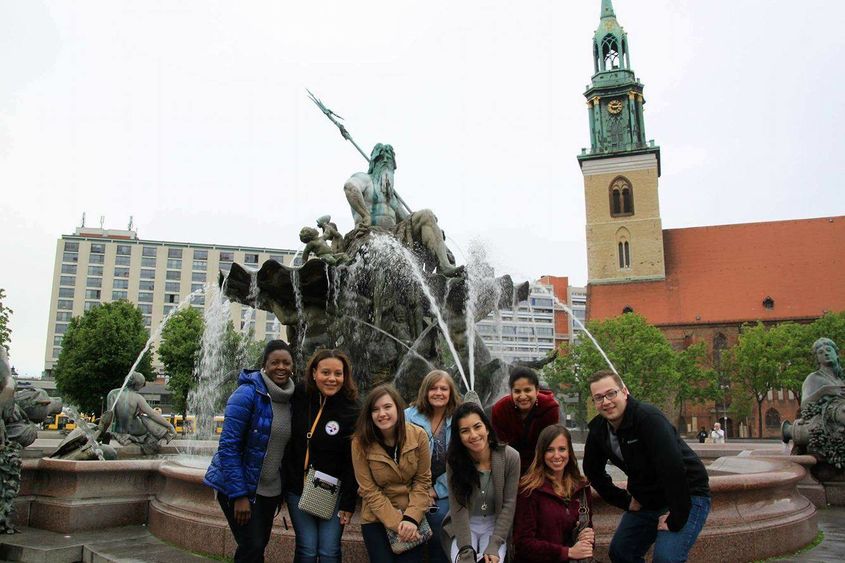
(102, 220)
(83, 220)
(131, 223)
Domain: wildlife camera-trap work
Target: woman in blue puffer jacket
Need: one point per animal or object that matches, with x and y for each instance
(246, 471)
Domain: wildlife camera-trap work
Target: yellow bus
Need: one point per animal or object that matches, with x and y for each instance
(184, 425)
(61, 422)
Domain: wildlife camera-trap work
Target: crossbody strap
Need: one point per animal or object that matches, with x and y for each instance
(311, 433)
(583, 511)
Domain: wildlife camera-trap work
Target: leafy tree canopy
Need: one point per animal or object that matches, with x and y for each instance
(643, 357)
(778, 357)
(181, 339)
(98, 350)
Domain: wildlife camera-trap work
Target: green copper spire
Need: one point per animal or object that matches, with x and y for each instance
(615, 97)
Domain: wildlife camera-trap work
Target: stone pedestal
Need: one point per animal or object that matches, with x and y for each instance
(757, 511)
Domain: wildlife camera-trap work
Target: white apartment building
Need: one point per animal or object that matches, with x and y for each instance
(95, 265)
(534, 329)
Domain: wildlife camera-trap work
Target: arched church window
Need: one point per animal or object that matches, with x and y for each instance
(621, 197)
(772, 418)
(610, 52)
(624, 250)
(627, 200)
(615, 202)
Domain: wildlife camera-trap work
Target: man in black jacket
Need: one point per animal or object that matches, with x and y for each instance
(668, 496)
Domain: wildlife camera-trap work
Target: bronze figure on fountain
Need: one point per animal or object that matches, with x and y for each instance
(821, 429)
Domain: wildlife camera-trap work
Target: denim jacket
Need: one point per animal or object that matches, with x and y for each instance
(414, 416)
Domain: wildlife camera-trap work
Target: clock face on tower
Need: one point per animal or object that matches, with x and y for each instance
(614, 107)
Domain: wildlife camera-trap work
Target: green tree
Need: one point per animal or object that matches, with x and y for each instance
(639, 351)
(831, 325)
(241, 351)
(765, 359)
(98, 350)
(179, 349)
(5, 314)
(791, 345)
(693, 383)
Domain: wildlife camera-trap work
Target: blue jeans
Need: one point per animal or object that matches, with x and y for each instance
(252, 537)
(378, 547)
(435, 520)
(638, 530)
(315, 537)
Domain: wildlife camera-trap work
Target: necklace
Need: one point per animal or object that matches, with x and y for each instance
(435, 429)
(485, 484)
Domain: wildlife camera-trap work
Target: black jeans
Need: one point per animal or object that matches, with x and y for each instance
(252, 537)
(378, 546)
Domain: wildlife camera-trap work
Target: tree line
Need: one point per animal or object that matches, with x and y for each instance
(100, 346)
(764, 358)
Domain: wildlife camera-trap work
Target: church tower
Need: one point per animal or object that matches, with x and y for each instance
(621, 169)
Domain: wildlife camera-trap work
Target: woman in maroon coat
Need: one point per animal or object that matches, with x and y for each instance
(519, 417)
(546, 523)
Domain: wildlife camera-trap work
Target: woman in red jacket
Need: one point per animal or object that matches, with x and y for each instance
(548, 509)
(519, 418)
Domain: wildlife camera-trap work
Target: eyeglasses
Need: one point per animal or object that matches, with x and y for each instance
(610, 395)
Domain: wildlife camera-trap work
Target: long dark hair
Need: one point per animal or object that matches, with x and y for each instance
(349, 388)
(464, 474)
(538, 472)
(366, 431)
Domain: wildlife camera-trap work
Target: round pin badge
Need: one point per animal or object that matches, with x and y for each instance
(332, 428)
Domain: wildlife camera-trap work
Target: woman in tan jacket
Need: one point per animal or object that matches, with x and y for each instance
(393, 468)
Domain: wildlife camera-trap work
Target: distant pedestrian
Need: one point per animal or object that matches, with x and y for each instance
(717, 435)
(702, 435)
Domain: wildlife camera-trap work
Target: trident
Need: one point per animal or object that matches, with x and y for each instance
(333, 117)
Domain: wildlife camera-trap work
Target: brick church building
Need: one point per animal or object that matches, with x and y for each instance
(697, 284)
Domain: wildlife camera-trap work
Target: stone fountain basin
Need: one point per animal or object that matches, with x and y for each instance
(757, 510)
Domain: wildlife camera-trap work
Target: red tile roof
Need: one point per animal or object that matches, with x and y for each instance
(722, 274)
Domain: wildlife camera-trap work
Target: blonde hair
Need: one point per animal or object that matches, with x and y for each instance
(421, 402)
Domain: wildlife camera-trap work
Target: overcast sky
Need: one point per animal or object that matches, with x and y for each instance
(192, 117)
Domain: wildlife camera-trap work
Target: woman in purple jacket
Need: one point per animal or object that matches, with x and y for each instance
(246, 471)
(551, 496)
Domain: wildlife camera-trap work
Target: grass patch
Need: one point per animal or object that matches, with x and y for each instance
(816, 541)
